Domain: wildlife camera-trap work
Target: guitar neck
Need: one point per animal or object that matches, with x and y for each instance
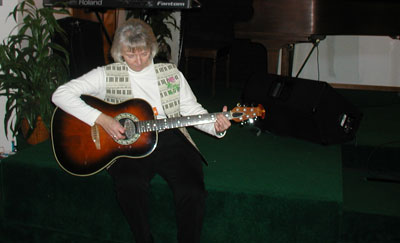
(177, 122)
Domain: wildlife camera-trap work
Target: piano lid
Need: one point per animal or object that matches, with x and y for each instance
(304, 18)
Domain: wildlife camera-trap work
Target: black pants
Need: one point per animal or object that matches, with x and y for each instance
(180, 164)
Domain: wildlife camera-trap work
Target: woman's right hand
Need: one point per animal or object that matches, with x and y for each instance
(111, 126)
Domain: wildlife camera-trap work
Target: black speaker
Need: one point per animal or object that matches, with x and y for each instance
(302, 108)
(84, 44)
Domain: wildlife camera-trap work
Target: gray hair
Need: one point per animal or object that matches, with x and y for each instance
(134, 33)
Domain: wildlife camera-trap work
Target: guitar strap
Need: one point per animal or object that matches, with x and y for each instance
(118, 88)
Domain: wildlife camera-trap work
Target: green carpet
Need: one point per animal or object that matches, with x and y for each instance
(244, 162)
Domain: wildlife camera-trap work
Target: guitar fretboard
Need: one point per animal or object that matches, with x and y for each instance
(184, 121)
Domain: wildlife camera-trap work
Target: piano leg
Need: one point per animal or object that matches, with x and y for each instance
(272, 60)
(274, 48)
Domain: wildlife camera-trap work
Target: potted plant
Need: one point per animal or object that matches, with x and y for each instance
(161, 21)
(32, 66)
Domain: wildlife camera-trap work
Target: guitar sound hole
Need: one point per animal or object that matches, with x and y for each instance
(128, 121)
(130, 128)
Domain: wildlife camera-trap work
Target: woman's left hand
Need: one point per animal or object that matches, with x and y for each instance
(222, 124)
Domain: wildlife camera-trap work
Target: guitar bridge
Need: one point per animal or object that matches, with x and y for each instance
(96, 136)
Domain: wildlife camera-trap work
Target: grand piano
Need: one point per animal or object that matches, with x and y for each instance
(279, 24)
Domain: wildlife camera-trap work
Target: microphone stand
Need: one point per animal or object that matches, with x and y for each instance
(315, 39)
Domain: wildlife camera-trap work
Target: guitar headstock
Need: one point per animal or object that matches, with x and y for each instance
(244, 113)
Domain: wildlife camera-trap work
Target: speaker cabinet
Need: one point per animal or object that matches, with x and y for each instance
(302, 108)
(84, 44)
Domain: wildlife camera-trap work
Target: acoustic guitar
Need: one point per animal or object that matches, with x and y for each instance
(84, 150)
